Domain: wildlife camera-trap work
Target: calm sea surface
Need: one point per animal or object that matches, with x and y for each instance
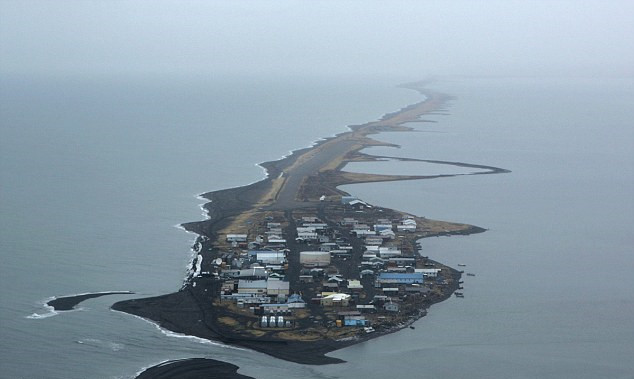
(95, 174)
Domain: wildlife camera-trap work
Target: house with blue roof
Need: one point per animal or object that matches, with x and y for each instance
(400, 278)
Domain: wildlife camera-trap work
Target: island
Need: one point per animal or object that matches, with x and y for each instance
(294, 267)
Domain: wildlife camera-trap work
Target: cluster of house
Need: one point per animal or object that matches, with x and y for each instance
(395, 274)
(257, 280)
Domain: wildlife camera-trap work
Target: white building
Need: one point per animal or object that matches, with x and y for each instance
(428, 272)
(271, 258)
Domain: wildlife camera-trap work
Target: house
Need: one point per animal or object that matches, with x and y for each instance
(391, 307)
(307, 236)
(271, 257)
(400, 278)
(254, 272)
(236, 238)
(314, 258)
(406, 228)
(389, 252)
(373, 240)
(354, 285)
(372, 249)
(296, 301)
(366, 308)
(316, 225)
(387, 234)
(330, 299)
(363, 232)
(340, 253)
(358, 204)
(428, 272)
(356, 321)
(277, 240)
(379, 227)
(328, 246)
(402, 261)
(305, 278)
(271, 308)
(396, 269)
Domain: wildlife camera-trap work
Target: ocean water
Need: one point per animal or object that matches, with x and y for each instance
(96, 173)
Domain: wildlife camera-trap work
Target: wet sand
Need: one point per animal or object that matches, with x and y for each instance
(67, 303)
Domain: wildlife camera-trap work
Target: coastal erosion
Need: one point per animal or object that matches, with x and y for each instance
(301, 190)
(67, 303)
(192, 368)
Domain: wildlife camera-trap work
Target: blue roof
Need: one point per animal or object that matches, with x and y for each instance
(397, 275)
(295, 298)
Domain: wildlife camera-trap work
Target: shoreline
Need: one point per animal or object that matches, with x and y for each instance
(191, 368)
(67, 303)
(294, 181)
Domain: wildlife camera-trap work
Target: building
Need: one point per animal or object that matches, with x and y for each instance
(363, 232)
(373, 240)
(314, 258)
(236, 238)
(271, 257)
(406, 228)
(277, 287)
(252, 287)
(271, 308)
(402, 261)
(400, 278)
(389, 252)
(296, 301)
(379, 227)
(391, 307)
(428, 272)
(358, 204)
(356, 321)
(335, 299)
(387, 234)
(354, 284)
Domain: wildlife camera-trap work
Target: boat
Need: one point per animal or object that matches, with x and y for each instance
(412, 327)
(461, 264)
(470, 274)
(458, 294)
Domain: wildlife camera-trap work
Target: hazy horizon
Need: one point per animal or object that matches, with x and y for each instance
(350, 38)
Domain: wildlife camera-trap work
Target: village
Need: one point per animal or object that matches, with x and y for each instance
(341, 269)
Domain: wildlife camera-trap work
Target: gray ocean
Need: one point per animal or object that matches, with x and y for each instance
(96, 174)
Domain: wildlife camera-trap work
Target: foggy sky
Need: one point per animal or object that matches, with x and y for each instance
(420, 38)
